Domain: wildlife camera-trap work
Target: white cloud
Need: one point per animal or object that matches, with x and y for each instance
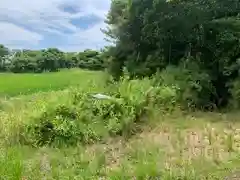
(27, 22)
(7, 31)
(91, 38)
(38, 14)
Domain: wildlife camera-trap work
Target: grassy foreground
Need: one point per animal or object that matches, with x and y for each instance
(15, 84)
(184, 146)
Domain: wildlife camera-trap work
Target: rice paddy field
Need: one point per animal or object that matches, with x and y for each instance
(21, 84)
(107, 144)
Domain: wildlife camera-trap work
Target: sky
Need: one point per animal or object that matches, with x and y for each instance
(70, 25)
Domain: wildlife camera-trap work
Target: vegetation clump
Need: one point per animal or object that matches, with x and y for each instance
(87, 120)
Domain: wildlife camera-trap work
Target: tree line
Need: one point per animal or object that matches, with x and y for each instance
(199, 38)
(48, 60)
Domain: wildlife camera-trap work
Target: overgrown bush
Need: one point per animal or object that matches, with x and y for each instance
(193, 86)
(86, 119)
(235, 93)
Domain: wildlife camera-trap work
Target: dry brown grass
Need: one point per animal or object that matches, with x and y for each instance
(201, 142)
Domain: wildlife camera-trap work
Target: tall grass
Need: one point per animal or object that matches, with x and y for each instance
(77, 117)
(155, 154)
(71, 135)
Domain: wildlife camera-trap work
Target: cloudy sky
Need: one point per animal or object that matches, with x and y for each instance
(70, 25)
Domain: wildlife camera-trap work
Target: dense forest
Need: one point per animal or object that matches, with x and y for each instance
(196, 42)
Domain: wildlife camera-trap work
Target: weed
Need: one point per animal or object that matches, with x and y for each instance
(75, 136)
(11, 166)
(229, 138)
(87, 120)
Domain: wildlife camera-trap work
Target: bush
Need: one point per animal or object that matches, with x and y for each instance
(235, 93)
(86, 120)
(193, 86)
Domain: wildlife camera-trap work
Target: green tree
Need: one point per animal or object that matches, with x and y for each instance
(3, 53)
(71, 60)
(52, 59)
(149, 35)
(90, 59)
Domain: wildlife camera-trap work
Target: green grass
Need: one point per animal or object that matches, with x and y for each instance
(180, 146)
(17, 84)
(158, 152)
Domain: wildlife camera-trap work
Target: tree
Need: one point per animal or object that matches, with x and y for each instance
(51, 60)
(3, 53)
(90, 59)
(149, 35)
(71, 60)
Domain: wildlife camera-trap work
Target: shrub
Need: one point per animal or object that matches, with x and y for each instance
(235, 93)
(86, 120)
(193, 86)
(62, 125)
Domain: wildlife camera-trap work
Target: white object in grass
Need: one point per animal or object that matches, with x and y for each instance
(101, 96)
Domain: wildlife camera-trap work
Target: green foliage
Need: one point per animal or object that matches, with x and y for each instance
(235, 92)
(150, 35)
(11, 166)
(87, 120)
(194, 87)
(23, 64)
(49, 60)
(71, 60)
(90, 59)
(3, 53)
(191, 146)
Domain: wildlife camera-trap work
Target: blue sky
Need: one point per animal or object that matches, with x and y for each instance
(70, 25)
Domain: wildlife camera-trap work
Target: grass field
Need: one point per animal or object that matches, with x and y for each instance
(183, 146)
(15, 84)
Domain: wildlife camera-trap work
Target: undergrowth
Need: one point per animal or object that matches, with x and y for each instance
(111, 138)
(81, 118)
(85, 119)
